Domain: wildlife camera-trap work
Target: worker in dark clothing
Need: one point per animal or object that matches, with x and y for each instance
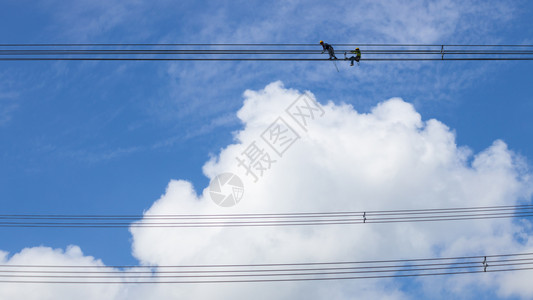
(356, 58)
(329, 48)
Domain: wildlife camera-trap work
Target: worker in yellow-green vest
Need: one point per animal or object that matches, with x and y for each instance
(356, 58)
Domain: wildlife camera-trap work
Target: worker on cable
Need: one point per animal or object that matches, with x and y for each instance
(357, 56)
(329, 48)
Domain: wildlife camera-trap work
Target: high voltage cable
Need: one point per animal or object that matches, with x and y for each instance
(249, 44)
(409, 211)
(245, 51)
(257, 275)
(278, 264)
(236, 52)
(265, 272)
(254, 220)
(256, 59)
(258, 280)
(153, 270)
(248, 224)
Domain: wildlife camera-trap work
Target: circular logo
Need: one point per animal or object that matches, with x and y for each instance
(226, 189)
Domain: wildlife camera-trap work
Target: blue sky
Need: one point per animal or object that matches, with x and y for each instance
(106, 137)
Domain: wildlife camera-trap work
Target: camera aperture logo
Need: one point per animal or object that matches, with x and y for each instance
(226, 189)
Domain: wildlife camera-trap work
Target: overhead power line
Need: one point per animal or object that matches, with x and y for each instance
(250, 44)
(257, 52)
(235, 273)
(267, 219)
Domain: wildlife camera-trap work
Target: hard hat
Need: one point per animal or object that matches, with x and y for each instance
(321, 42)
(356, 48)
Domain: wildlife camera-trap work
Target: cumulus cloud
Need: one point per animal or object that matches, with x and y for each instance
(389, 158)
(48, 256)
(345, 160)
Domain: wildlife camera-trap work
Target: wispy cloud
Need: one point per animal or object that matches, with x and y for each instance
(191, 86)
(8, 100)
(447, 21)
(89, 156)
(85, 20)
(5, 112)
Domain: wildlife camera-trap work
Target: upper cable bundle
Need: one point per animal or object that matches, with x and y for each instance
(257, 52)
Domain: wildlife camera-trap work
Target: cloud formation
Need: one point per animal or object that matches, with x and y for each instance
(48, 256)
(345, 160)
(389, 158)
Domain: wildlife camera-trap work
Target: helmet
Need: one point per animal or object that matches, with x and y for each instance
(321, 42)
(356, 48)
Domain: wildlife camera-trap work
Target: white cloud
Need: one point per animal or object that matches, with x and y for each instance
(48, 256)
(388, 158)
